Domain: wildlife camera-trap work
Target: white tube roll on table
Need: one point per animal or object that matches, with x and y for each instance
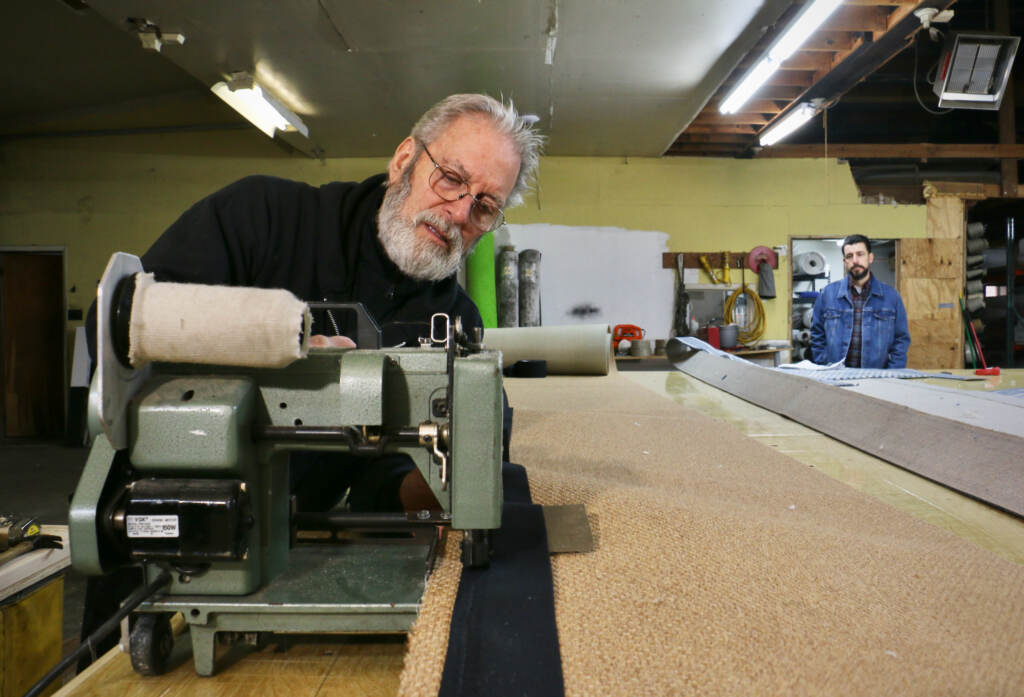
(577, 349)
(216, 325)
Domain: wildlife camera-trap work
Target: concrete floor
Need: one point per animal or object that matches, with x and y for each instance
(37, 479)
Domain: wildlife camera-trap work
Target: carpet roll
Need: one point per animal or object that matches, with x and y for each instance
(583, 349)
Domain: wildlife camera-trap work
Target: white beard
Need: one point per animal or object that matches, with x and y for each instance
(417, 257)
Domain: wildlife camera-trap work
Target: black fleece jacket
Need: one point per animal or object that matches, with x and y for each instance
(318, 242)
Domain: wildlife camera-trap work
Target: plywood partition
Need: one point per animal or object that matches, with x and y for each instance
(931, 278)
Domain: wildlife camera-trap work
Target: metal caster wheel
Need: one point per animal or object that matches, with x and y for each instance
(151, 642)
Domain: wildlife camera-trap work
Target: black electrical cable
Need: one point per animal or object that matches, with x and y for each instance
(917, 95)
(130, 603)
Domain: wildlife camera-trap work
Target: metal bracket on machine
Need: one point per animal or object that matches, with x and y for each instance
(117, 384)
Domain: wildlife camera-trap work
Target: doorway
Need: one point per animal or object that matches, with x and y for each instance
(32, 343)
(817, 261)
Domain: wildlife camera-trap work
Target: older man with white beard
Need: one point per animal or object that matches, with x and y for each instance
(392, 242)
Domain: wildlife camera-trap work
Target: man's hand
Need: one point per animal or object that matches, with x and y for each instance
(321, 341)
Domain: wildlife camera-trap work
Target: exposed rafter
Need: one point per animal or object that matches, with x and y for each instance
(857, 39)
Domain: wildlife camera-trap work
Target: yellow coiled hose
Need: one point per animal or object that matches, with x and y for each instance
(753, 328)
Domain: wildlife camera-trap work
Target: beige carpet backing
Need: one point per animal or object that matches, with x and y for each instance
(725, 568)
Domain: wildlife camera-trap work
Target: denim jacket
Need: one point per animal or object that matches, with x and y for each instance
(885, 338)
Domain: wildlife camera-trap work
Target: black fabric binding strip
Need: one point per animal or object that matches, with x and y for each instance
(503, 639)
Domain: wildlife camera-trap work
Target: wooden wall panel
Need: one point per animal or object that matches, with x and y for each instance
(933, 343)
(930, 280)
(932, 258)
(945, 217)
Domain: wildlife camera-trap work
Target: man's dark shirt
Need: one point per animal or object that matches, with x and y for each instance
(859, 297)
(318, 242)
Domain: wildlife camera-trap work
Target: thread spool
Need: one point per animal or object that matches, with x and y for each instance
(975, 230)
(975, 303)
(973, 274)
(640, 347)
(508, 287)
(808, 317)
(659, 347)
(529, 288)
(802, 336)
(994, 258)
(810, 263)
(216, 325)
(974, 287)
(977, 246)
(975, 260)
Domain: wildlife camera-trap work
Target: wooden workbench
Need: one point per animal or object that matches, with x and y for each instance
(662, 444)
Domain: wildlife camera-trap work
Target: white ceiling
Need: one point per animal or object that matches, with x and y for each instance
(606, 77)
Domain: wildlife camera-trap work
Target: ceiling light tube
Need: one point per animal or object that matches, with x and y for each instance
(259, 106)
(753, 80)
(801, 28)
(792, 121)
(806, 23)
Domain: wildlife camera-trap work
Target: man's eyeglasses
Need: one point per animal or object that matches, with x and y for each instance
(484, 214)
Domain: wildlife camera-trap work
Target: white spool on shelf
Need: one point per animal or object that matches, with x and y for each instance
(216, 325)
(802, 336)
(807, 317)
(810, 263)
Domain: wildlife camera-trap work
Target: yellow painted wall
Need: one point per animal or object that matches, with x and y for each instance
(95, 196)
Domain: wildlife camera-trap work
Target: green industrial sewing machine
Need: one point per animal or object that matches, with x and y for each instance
(188, 472)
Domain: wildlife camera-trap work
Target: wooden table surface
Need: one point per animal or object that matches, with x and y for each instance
(371, 666)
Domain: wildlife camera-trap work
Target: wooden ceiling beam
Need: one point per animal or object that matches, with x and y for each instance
(808, 60)
(721, 128)
(910, 151)
(711, 147)
(715, 119)
(715, 138)
(830, 41)
(858, 18)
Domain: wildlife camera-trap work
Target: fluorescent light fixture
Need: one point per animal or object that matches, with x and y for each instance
(805, 24)
(748, 85)
(258, 105)
(792, 121)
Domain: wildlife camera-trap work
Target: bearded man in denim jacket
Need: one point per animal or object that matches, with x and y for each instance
(858, 319)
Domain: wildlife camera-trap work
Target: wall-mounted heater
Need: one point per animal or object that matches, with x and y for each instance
(974, 69)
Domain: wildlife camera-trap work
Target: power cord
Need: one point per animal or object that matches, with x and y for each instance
(89, 645)
(917, 95)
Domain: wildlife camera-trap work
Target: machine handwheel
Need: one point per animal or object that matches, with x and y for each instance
(151, 642)
(476, 549)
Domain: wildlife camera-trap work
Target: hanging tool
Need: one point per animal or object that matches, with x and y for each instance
(725, 268)
(708, 270)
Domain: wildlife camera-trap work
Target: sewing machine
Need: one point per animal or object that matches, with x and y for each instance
(189, 472)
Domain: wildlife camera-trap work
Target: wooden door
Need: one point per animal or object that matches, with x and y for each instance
(931, 279)
(32, 343)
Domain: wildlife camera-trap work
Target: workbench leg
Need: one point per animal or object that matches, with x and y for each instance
(203, 649)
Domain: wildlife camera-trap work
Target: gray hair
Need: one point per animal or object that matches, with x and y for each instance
(503, 117)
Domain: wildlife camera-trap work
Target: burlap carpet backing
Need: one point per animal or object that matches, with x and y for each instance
(725, 568)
